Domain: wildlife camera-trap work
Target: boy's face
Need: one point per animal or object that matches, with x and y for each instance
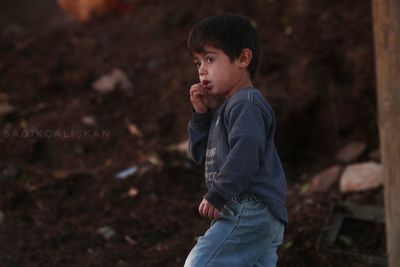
(217, 73)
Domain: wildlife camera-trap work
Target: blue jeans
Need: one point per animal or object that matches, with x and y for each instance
(245, 234)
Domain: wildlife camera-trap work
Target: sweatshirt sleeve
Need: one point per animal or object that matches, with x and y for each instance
(246, 126)
(198, 129)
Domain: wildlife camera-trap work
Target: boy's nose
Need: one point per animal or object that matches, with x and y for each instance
(202, 71)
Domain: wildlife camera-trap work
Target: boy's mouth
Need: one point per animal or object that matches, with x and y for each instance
(206, 84)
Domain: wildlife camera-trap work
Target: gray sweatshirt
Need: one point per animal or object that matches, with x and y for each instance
(235, 145)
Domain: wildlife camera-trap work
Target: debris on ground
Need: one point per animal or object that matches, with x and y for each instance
(361, 176)
(109, 82)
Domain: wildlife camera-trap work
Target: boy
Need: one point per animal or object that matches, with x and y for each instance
(235, 145)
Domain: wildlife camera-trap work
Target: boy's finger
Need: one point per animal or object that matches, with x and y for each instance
(195, 91)
(201, 208)
(211, 213)
(205, 210)
(198, 93)
(195, 87)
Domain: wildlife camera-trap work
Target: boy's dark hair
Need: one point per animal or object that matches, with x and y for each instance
(231, 33)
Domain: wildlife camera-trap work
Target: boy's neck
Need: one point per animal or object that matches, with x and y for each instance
(217, 101)
(243, 83)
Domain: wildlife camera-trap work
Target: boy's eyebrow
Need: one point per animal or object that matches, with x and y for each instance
(206, 51)
(202, 54)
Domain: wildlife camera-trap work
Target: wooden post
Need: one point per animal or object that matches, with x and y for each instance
(386, 17)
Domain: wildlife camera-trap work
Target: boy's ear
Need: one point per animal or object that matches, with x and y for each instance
(245, 58)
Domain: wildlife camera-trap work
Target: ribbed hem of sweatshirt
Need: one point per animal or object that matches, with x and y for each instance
(201, 120)
(217, 200)
(277, 208)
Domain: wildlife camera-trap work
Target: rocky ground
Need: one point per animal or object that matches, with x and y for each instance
(81, 103)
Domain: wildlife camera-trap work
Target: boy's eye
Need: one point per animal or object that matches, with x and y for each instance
(197, 64)
(210, 59)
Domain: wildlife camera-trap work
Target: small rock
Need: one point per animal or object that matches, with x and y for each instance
(351, 152)
(182, 147)
(288, 30)
(122, 79)
(375, 155)
(153, 158)
(110, 82)
(1, 217)
(105, 84)
(324, 180)
(134, 130)
(127, 172)
(360, 177)
(89, 120)
(130, 240)
(107, 232)
(60, 174)
(133, 192)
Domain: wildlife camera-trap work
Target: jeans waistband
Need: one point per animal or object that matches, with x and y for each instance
(245, 196)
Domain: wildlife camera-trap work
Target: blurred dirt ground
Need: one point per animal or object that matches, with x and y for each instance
(57, 190)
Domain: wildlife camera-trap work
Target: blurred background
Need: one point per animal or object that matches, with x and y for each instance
(93, 113)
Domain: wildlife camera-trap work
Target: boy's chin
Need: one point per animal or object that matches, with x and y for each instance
(212, 92)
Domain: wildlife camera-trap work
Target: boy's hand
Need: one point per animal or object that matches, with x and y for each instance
(207, 210)
(199, 98)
